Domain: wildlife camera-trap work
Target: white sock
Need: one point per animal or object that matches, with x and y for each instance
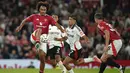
(120, 67)
(62, 67)
(71, 71)
(86, 60)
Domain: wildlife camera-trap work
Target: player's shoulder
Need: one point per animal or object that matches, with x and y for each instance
(103, 23)
(76, 27)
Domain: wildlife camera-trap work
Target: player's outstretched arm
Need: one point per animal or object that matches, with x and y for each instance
(86, 38)
(107, 38)
(63, 37)
(60, 28)
(21, 25)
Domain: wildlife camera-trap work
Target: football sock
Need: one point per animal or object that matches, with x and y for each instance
(112, 63)
(102, 67)
(71, 71)
(60, 64)
(86, 60)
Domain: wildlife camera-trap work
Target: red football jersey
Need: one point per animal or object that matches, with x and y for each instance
(40, 21)
(114, 35)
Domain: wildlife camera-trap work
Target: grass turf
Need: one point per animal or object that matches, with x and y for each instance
(58, 71)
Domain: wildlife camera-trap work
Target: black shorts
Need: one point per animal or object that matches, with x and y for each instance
(76, 54)
(56, 50)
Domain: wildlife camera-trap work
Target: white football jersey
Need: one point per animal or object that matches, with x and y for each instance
(54, 32)
(74, 35)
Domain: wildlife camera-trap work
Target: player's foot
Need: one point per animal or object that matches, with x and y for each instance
(37, 46)
(63, 71)
(95, 58)
(122, 70)
(40, 71)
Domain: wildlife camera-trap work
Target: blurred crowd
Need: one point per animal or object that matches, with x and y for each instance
(18, 46)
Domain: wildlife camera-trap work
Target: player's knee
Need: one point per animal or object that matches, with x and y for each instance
(42, 60)
(65, 63)
(42, 53)
(57, 57)
(42, 57)
(53, 64)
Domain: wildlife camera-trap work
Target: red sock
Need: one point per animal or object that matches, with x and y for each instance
(40, 71)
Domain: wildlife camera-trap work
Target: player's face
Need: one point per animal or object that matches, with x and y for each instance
(71, 21)
(55, 17)
(43, 9)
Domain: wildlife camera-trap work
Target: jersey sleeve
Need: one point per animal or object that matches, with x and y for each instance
(30, 18)
(51, 21)
(80, 32)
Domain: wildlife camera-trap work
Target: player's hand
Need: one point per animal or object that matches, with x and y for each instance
(80, 61)
(64, 34)
(18, 29)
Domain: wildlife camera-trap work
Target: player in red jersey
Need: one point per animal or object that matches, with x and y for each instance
(113, 43)
(41, 22)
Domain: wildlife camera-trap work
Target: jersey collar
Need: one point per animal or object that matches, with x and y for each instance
(72, 26)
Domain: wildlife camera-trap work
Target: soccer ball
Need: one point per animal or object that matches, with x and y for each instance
(44, 38)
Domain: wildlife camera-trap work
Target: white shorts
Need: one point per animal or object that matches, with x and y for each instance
(114, 46)
(43, 46)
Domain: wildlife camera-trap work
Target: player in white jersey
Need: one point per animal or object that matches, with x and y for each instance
(55, 45)
(74, 33)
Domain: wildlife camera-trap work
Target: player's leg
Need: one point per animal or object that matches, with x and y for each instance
(73, 56)
(38, 34)
(81, 60)
(84, 60)
(51, 55)
(107, 60)
(42, 54)
(35, 38)
(115, 47)
(107, 57)
(53, 62)
(103, 64)
(58, 56)
(60, 63)
(66, 64)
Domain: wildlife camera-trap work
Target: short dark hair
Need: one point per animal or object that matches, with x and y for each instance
(98, 16)
(73, 16)
(41, 3)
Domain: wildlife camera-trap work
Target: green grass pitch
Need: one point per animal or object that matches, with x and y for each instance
(58, 71)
